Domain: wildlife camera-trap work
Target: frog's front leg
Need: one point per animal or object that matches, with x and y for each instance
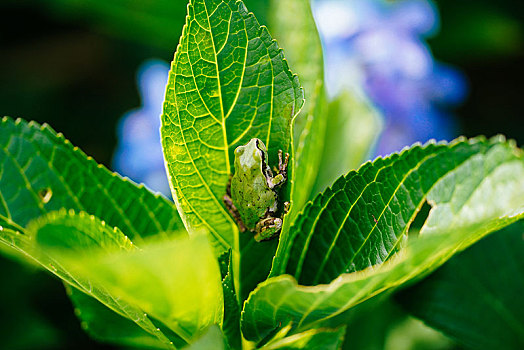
(234, 212)
(281, 176)
(267, 228)
(282, 164)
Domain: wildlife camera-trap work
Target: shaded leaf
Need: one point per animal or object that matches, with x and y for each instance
(40, 171)
(353, 126)
(105, 325)
(476, 297)
(255, 260)
(292, 23)
(177, 283)
(231, 323)
(457, 180)
(56, 231)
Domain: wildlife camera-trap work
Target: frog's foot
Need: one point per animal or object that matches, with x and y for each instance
(234, 212)
(268, 228)
(282, 163)
(287, 205)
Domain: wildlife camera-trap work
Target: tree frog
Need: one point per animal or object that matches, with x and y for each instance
(252, 197)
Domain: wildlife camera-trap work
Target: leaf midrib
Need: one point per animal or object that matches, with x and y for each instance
(215, 55)
(204, 183)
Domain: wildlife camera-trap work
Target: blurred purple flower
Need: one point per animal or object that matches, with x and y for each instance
(139, 151)
(379, 47)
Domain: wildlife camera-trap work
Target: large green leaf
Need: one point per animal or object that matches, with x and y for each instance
(171, 289)
(292, 23)
(44, 242)
(474, 187)
(177, 282)
(41, 171)
(364, 218)
(476, 297)
(229, 82)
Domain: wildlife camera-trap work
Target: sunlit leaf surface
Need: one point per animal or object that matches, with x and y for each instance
(41, 171)
(228, 83)
(361, 222)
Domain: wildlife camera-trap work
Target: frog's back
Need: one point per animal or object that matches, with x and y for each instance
(249, 188)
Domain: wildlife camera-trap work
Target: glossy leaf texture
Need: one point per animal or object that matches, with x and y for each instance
(364, 218)
(229, 82)
(293, 25)
(349, 231)
(476, 297)
(41, 171)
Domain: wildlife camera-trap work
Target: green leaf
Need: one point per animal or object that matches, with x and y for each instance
(105, 325)
(293, 25)
(212, 339)
(318, 338)
(231, 322)
(353, 126)
(231, 326)
(40, 172)
(487, 277)
(457, 180)
(177, 282)
(364, 218)
(76, 233)
(229, 82)
(45, 242)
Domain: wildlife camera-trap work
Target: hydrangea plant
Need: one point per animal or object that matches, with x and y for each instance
(144, 272)
(380, 47)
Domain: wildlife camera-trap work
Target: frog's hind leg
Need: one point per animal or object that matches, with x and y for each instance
(268, 228)
(234, 212)
(228, 186)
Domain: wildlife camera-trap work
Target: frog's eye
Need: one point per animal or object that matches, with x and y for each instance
(239, 150)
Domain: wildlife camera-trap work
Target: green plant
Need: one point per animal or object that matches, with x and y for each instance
(143, 272)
